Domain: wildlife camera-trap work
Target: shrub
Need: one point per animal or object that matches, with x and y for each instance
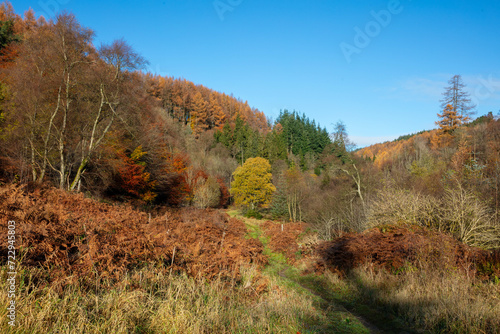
(459, 212)
(395, 206)
(207, 193)
(464, 215)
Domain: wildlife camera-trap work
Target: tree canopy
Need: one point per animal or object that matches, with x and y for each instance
(252, 184)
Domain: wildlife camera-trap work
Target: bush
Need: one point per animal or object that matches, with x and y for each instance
(207, 193)
(396, 206)
(464, 215)
(459, 212)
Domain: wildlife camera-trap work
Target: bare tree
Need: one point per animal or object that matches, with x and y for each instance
(68, 96)
(456, 96)
(45, 80)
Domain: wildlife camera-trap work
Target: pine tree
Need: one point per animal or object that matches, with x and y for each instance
(279, 208)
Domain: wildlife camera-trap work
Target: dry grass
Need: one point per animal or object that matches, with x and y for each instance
(151, 301)
(89, 267)
(443, 301)
(428, 278)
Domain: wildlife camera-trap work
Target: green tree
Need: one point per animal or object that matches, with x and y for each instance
(252, 184)
(6, 33)
(279, 206)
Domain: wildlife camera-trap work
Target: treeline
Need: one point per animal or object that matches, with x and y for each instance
(200, 107)
(293, 138)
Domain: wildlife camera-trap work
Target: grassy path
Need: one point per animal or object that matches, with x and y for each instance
(335, 318)
(339, 308)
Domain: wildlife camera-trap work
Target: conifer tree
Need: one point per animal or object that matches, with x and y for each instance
(217, 115)
(450, 119)
(199, 116)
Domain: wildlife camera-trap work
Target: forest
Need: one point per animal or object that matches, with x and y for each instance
(130, 185)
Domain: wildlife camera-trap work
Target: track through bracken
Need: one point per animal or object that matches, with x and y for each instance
(74, 236)
(285, 239)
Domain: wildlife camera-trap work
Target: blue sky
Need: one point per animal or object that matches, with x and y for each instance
(379, 66)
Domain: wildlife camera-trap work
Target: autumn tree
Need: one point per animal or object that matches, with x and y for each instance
(216, 112)
(48, 75)
(199, 114)
(132, 177)
(68, 96)
(252, 184)
(450, 119)
(109, 82)
(456, 96)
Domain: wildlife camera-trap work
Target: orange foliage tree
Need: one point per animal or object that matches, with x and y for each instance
(450, 119)
(132, 176)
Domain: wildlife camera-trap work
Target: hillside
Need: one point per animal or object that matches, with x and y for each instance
(105, 126)
(132, 202)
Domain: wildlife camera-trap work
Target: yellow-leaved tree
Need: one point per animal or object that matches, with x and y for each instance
(252, 184)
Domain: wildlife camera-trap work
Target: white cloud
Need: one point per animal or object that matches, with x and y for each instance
(428, 89)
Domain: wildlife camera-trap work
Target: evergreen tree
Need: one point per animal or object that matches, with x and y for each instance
(7, 34)
(279, 207)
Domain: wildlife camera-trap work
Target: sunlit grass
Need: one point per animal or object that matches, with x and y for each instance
(151, 301)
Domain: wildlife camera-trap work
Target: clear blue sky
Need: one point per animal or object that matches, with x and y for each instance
(310, 55)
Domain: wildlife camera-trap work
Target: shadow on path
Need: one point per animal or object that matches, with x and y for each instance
(379, 319)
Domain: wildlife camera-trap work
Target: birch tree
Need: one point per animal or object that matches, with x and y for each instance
(109, 74)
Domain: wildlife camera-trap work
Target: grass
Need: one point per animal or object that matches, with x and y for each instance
(149, 301)
(435, 299)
